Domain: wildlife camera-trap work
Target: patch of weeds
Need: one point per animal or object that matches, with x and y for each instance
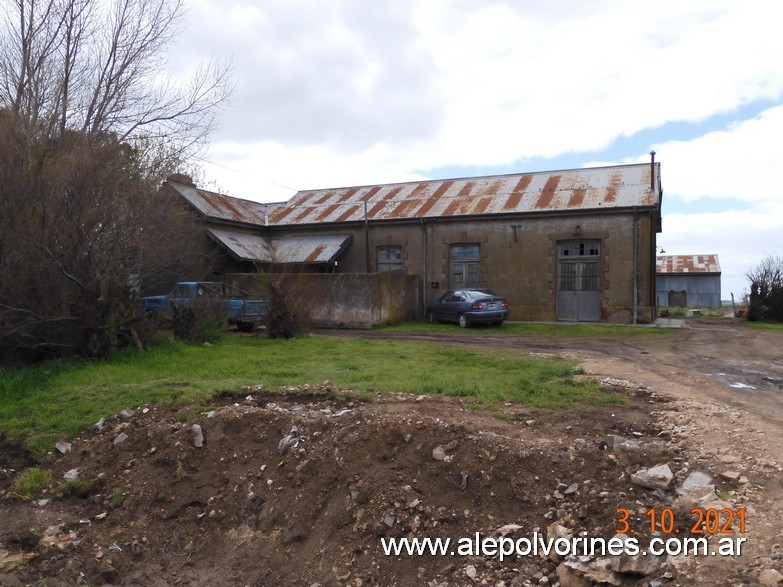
(501, 415)
(183, 416)
(361, 396)
(29, 482)
(724, 495)
(119, 497)
(180, 471)
(80, 487)
(162, 497)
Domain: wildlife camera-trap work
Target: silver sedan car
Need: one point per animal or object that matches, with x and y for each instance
(469, 306)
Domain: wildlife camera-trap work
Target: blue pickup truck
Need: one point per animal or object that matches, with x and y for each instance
(243, 311)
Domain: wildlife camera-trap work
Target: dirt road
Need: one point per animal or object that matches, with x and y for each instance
(719, 360)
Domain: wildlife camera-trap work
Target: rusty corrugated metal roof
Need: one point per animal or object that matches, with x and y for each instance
(595, 188)
(220, 206)
(687, 264)
(292, 249)
(577, 189)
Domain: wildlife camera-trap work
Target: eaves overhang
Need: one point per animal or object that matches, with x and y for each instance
(256, 248)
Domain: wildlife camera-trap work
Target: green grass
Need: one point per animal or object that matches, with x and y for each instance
(52, 402)
(119, 497)
(29, 482)
(766, 325)
(532, 329)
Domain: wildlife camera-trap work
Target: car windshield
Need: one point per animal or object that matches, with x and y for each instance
(481, 293)
(181, 291)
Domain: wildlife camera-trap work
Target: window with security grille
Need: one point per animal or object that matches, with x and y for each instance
(465, 266)
(579, 267)
(390, 259)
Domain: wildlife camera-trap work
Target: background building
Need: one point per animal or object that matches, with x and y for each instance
(688, 281)
(570, 245)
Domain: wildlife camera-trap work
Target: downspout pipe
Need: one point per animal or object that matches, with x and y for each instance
(424, 269)
(366, 240)
(635, 266)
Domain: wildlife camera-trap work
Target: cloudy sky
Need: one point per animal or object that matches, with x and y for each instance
(354, 92)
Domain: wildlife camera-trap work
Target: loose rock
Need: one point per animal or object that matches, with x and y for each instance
(659, 477)
(198, 436)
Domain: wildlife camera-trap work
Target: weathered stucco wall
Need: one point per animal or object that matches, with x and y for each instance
(518, 258)
(334, 300)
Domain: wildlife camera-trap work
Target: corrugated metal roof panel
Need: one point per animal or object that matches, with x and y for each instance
(244, 246)
(665, 264)
(577, 189)
(222, 207)
(292, 249)
(309, 249)
(618, 186)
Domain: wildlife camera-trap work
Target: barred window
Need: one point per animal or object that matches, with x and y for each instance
(390, 259)
(465, 266)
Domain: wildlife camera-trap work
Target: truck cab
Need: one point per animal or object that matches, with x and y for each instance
(243, 311)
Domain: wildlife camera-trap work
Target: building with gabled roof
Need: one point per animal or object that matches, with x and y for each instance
(570, 245)
(688, 281)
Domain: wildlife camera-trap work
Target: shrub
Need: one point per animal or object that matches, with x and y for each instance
(287, 315)
(205, 320)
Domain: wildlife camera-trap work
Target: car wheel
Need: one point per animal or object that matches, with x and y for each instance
(463, 322)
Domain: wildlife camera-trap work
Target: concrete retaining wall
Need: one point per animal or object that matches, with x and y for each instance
(335, 300)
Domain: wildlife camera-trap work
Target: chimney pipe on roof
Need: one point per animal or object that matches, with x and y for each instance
(181, 178)
(652, 170)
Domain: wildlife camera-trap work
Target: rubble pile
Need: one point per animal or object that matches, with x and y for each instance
(301, 486)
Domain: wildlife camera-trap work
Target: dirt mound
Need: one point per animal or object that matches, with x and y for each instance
(149, 506)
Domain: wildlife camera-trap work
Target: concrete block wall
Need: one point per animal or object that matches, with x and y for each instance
(334, 300)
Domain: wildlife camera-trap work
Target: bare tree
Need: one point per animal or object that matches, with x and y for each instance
(76, 239)
(99, 67)
(89, 126)
(765, 301)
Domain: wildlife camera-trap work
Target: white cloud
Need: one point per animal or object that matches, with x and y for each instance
(739, 165)
(739, 237)
(741, 162)
(476, 82)
(270, 172)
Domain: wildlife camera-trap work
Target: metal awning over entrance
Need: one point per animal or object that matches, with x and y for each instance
(246, 246)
